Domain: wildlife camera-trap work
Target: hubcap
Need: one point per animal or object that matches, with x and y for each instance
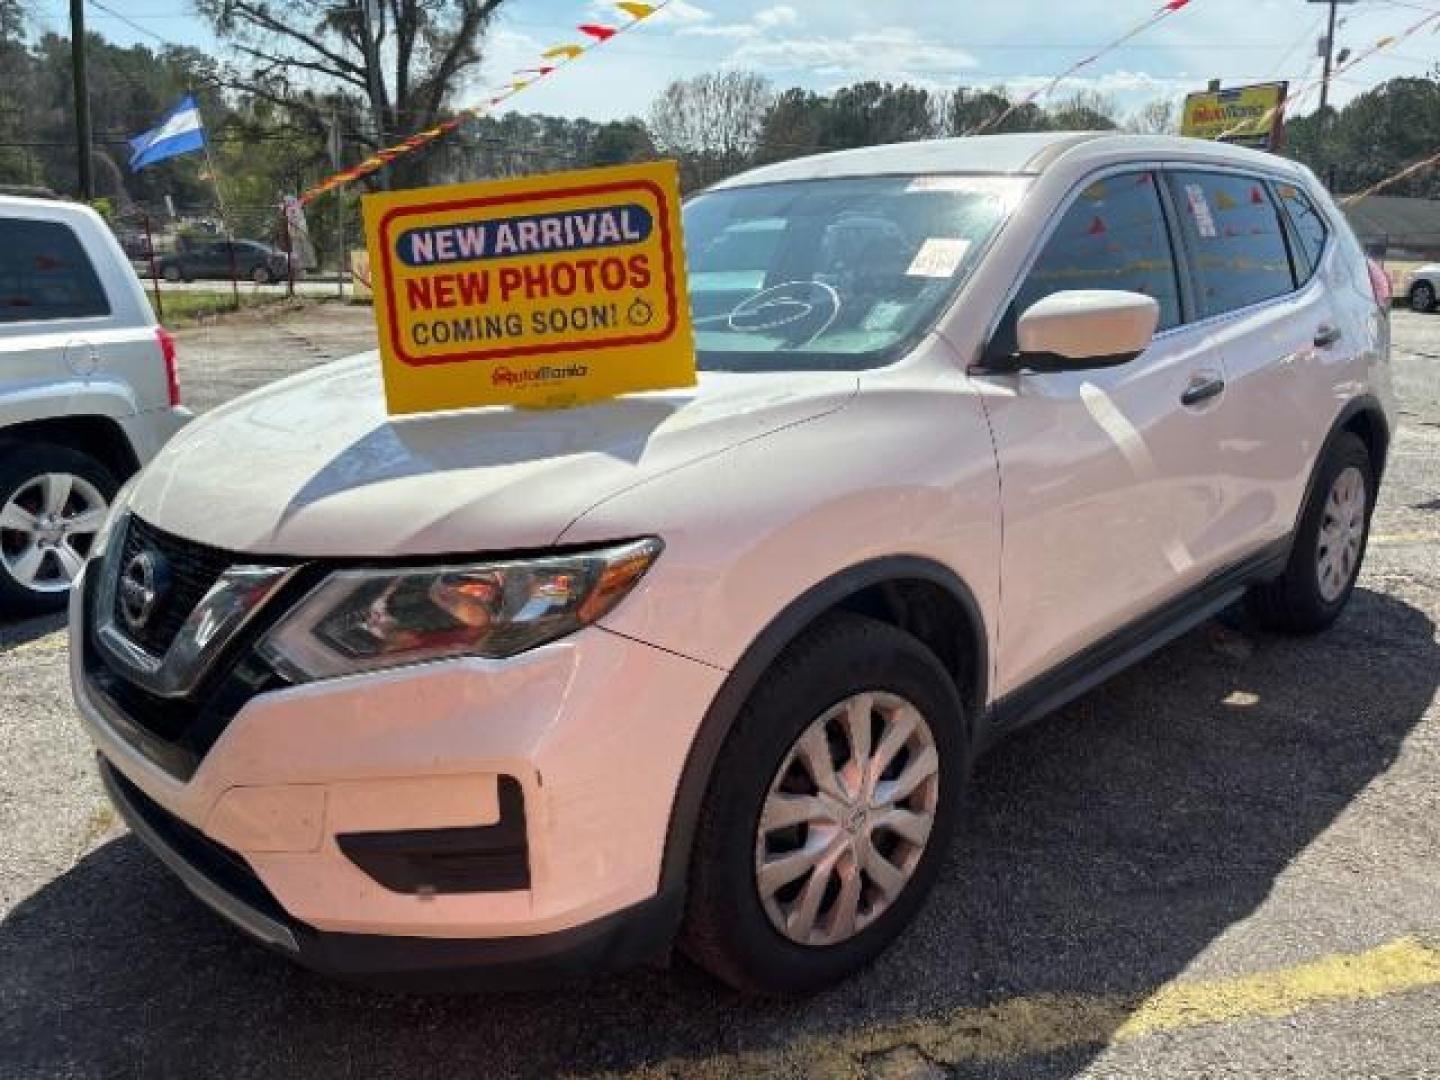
(846, 818)
(1342, 531)
(46, 529)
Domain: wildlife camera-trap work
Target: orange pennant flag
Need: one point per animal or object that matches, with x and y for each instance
(640, 11)
(569, 52)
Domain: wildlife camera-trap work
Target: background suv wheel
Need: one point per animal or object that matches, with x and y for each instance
(1422, 296)
(830, 810)
(53, 501)
(1328, 547)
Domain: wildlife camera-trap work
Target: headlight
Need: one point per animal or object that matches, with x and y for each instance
(361, 620)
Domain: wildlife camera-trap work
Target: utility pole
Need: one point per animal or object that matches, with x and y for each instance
(82, 98)
(1329, 56)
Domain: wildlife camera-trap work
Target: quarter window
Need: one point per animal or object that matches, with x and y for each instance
(1112, 237)
(1309, 225)
(45, 274)
(1235, 239)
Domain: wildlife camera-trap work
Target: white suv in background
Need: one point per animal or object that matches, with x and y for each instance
(980, 422)
(88, 392)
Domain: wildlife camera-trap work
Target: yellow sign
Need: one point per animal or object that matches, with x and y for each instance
(1247, 115)
(545, 291)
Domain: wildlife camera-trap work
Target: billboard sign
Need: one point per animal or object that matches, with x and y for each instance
(1245, 115)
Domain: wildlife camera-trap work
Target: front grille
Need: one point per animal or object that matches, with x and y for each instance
(187, 726)
(193, 569)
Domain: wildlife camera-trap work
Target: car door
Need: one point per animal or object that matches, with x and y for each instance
(1108, 483)
(1275, 325)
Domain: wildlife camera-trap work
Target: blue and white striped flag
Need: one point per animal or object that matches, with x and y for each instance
(179, 133)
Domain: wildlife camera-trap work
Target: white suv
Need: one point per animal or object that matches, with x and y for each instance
(980, 422)
(88, 392)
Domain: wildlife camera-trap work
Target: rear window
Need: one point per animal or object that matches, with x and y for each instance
(45, 274)
(1233, 232)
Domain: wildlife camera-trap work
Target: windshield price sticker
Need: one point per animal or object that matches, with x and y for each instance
(546, 291)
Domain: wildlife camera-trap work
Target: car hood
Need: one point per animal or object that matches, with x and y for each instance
(313, 465)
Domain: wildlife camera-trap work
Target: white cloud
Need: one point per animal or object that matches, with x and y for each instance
(779, 15)
(893, 53)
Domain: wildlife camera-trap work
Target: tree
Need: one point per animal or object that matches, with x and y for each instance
(403, 59)
(1085, 110)
(711, 122)
(792, 126)
(870, 113)
(970, 110)
(1157, 117)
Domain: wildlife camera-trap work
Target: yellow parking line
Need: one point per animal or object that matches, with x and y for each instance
(1046, 1023)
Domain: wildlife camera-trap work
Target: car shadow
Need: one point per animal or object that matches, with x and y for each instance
(1106, 848)
(15, 632)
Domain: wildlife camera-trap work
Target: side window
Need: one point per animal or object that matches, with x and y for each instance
(1112, 237)
(1309, 225)
(1232, 230)
(45, 273)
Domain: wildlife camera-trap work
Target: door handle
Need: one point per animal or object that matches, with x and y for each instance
(1326, 335)
(1202, 388)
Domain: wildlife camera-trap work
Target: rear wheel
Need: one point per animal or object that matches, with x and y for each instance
(53, 501)
(830, 810)
(171, 273)
(1328, 547)
(1422, 296)
(262, 275)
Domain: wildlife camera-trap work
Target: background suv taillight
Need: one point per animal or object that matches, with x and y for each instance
(172, 372)
(1380, 284)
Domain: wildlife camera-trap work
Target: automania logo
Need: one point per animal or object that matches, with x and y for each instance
(505, 376)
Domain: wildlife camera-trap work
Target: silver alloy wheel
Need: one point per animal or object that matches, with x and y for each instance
(846, 818)
(46, 529)
(1342, 531)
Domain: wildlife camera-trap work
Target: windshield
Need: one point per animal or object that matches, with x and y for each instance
(832, 274)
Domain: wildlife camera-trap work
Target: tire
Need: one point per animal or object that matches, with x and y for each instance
(1422, 297)
(91, 488)
(171, 273)
(261, 275)
(730, 929)
(1306, 600)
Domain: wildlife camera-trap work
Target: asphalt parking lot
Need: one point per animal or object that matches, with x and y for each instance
(1223, 863)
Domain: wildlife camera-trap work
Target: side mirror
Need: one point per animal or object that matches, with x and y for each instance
(1085, 328)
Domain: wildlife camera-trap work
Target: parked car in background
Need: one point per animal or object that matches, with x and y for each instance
(88, 392)
(253, 260)
(1422, 286)
(979, 423)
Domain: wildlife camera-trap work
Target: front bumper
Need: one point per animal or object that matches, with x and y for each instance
(624, 939)
(588, 736)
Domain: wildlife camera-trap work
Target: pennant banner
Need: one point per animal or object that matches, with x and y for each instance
(560, 54)
(1314, 84)
(1393, 178)
(1165, 11)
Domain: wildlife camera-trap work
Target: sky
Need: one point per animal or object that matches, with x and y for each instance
(822, 44)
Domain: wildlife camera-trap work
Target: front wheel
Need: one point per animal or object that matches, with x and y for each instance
(1422, 296)
(53, 501)
(1328, 546)
(262, 275)
(830, 810)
